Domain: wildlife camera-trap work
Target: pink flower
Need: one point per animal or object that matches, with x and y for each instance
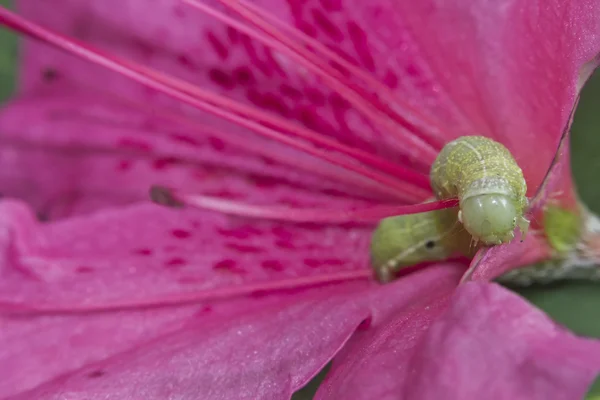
(119, 298)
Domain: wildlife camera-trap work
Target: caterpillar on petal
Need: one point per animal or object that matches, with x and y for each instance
(491, 190)
(489, 185)
(405, 240)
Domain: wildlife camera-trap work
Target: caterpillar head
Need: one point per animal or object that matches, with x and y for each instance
(406, 240)
(492, 218)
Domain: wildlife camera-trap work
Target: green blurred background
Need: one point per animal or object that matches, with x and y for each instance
(574, 304)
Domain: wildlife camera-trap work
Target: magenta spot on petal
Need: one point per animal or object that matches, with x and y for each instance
(143, 252)
(233, 35)
(242, 232)
(331, 5)
(228, 265)
(162, 163)
(326, 25)
(217, 46)
(84, 269)
(221, 78)
(175, 262)
(241, 248)
(180, 233)
(334, 262)
(282, 233)
(290, 91)
(216, 143)
(412, 70)
(185, 139)
(359, 40)
(145, 50)
(268, 101)
(284, 244)
(186, 62)
(312, 262)
(243, 76)
(97, 373)
(265, 182)
(307, 28)
(124, 165)
(274, 265)
(391, 79)
(206, 309)
(338, 102)
(134, 144)
(315, 97)
(308, 118)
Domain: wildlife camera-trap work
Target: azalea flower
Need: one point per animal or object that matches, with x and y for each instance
(283, 132)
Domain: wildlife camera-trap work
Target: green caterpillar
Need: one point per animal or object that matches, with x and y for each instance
(489, 185)
(491, 191)
(406, 240)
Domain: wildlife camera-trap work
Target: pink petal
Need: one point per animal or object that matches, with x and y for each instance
(146, 254)
(493, 262)
(485, 341)
(64, 146)
(505, 95)
(201, 50)
(255, 348)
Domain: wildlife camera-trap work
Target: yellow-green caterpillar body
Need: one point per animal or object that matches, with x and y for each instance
(489, 185)
(406, 240)
(491, 190)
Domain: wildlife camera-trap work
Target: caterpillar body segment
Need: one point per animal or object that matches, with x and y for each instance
(489, 185)
(406, 240)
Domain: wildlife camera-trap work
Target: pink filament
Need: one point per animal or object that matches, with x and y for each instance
(369, 215)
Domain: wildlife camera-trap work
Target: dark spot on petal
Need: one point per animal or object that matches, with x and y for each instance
(228, 265)
(84, 269)
(315, 96)
(243, 76)
(361, 45)
(217, 46)
(290, 91)
(221, 78)
(180, 233)
(134, 144)
(282, 233)
(162, 163)
(124, 165)
(284, 244)
(391, 79)
(244, 248)
(143, 252)
(185, 139)
(97, 373)
(233, 35)
(186, 62)
(331, 5)
(50, 74)
(312, 262)
(326, 25)
(216, 143)
(307, 28)
(175, 262)
(273, 265)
